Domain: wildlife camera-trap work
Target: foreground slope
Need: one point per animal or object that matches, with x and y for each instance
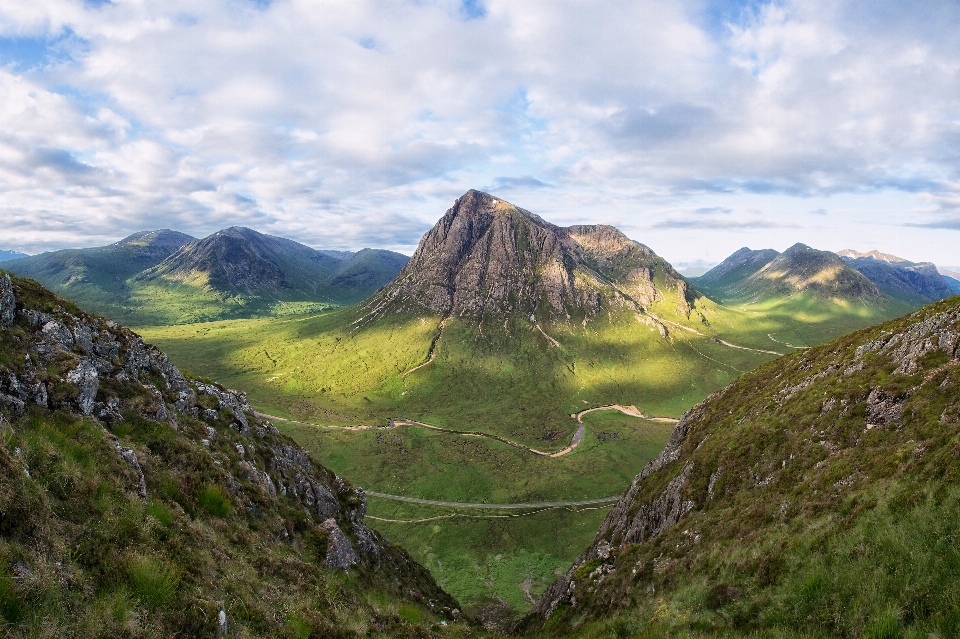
(817, 495)
(136, 502)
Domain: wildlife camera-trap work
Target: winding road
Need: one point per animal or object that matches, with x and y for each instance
(457, 504)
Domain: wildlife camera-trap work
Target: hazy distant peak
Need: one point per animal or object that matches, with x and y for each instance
(875, 255)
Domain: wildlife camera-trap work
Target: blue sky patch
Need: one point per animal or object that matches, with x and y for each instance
(472, 9)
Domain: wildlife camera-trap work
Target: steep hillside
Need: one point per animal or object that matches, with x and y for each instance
(723, 278)
(914, 283)
(164, 277)
(815, 496)
(137, 502)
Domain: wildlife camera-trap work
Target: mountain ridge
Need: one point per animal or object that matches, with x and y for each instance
(164, 276)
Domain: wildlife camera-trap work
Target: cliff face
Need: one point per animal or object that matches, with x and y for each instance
(87, 402)
(815, 460)
(487, 259)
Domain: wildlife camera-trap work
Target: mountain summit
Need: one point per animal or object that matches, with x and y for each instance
(488, 259)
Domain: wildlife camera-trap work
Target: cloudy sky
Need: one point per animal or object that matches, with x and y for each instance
(697, 127)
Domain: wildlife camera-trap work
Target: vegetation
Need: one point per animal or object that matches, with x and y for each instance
(825, 502)
(511, 383)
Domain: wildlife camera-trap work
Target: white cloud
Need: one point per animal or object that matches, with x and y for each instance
(355, 123)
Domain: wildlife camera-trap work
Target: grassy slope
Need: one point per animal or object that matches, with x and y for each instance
(516, 385)
(854, 535)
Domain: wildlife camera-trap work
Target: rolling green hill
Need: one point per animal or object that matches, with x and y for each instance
(164, 277)
(816, 496)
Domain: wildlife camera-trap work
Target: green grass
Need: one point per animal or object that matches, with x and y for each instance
(476, 556)
(507, 382)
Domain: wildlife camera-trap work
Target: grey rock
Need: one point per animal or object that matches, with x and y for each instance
(87, 380)
(340, 554)
(8, 302)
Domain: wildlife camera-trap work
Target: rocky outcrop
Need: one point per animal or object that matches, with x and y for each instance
(489, 260)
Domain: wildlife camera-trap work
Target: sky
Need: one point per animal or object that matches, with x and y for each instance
(696, 127)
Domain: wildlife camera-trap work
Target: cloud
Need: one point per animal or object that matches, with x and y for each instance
(726, 225)
(358, 124)
(520, 182)
(946, 223)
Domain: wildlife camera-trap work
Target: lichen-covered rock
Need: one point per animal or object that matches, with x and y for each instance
(8, 303)
(340, 553)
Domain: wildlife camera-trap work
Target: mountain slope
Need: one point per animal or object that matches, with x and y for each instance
(816, 496)
(915, 283)
(729, 273)
(137, 502)
(752, 276)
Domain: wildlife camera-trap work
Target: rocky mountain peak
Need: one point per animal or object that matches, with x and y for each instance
(488, 259)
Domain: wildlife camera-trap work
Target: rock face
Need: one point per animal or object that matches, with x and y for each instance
(487, 260)
(763, 459)
(58, 358)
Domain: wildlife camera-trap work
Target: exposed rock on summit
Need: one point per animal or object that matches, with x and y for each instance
(487, 259)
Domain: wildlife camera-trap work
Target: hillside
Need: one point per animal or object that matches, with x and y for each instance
(815, 496)
(915, 283)
(164, 277)
(723, 278)
(137, 502)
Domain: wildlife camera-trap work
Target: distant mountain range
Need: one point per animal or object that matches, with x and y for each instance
(166, 277)
(6, 256)
(751, 276)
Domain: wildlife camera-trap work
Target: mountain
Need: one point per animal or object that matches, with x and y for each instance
(917, 283)
(165, 277)
(815, 496)
(751, 276)
(135, 501)
(489, 260)
(6, 256)
(97, 277)
(79, 272)
(732, 271)
(874, 255)
(952, 278)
